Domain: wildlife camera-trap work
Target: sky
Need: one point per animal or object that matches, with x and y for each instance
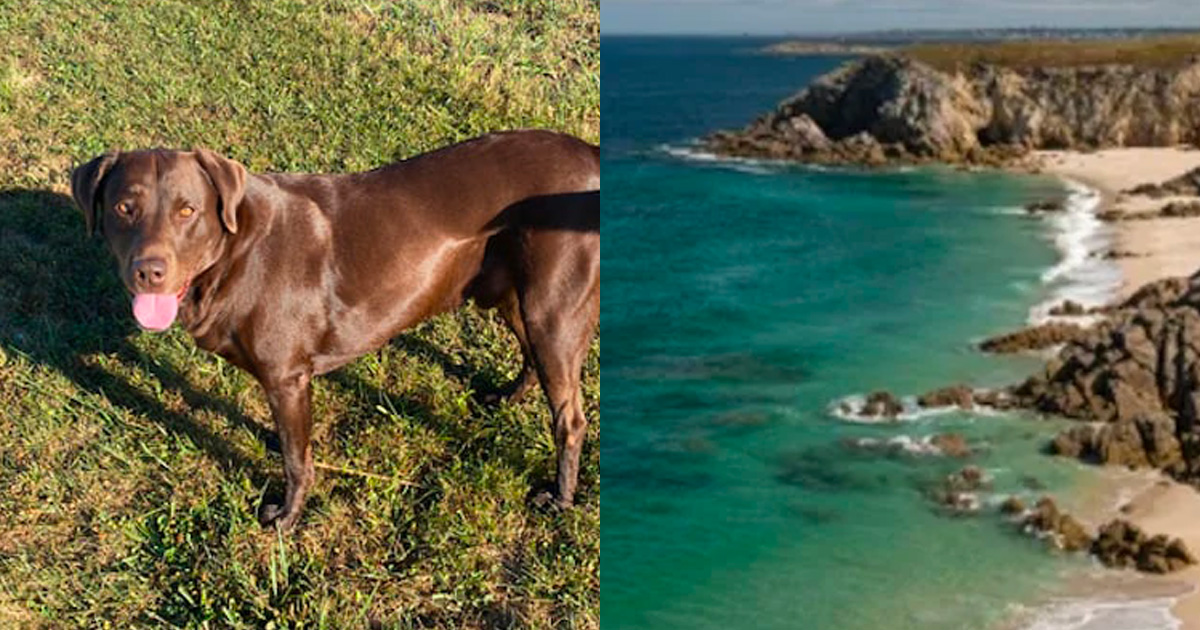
(780, 17)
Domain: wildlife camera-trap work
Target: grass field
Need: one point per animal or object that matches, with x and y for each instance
(131, 464)
(1166, 51)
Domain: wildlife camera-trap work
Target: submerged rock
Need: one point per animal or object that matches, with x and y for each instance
(951, 444)
(829, 469)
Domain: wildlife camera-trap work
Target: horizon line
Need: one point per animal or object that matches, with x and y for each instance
(881, 31)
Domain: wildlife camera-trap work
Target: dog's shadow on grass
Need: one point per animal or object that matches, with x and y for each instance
(61, 304)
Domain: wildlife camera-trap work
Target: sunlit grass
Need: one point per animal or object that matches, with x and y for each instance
(1146, 52)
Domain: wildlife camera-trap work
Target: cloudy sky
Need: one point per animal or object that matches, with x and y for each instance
(838, 16)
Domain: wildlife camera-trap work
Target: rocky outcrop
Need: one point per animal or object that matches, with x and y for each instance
(1060, 529)
(1118, 544)
(1186, 185)
(1142, 442)
(1122, 544)
(1037, 337)
(999, 399)
(891, 108)
(882, 404)
(1044, 206)
(958, 493)
(1180, 210)
(1068, 308)
(1169, 210)
(1137, 377)
(960, 396)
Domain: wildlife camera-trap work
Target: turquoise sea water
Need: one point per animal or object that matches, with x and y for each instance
(740, 301)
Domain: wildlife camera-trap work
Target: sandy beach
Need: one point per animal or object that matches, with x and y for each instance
(1162, 247)
(1157, 504)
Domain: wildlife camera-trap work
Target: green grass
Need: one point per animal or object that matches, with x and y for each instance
(131, 464)
(1168, 51)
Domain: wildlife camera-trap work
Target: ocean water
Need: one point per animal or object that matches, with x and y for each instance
(742, 299)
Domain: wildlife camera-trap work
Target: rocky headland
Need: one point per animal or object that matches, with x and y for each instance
(892, 108)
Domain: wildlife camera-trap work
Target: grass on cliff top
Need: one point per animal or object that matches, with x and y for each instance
(131, 464)
(1149, 52)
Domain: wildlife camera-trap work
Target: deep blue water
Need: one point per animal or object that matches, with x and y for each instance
(740, 301)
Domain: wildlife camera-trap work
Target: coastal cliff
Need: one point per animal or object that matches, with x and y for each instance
(894, 108)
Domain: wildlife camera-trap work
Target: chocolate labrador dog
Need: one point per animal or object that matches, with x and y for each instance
(289, 276)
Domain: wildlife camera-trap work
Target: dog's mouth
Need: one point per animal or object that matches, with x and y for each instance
(157, 311)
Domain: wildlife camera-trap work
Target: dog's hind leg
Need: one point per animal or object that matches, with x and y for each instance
(494, 287)
(560, 305)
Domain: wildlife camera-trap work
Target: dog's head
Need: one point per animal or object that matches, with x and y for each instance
(165, 216)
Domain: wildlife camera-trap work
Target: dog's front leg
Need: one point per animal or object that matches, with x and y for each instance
(290, 398)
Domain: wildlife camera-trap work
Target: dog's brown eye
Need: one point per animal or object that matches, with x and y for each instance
(122, 208)
(187, 211)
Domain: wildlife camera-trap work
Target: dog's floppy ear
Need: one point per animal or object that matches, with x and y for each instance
(85, 187)
(229, 177)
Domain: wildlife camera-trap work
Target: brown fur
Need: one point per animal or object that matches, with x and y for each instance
(289, 276)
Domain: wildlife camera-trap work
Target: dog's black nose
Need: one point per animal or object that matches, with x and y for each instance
(149, 273)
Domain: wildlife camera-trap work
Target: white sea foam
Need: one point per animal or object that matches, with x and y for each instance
(1107, 614)
(849, 409)
(1080, 275)
(899, 444)
(691, 153)
(753, 169)
(756, 166)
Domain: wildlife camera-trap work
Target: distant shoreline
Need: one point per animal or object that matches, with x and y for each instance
(796, 47)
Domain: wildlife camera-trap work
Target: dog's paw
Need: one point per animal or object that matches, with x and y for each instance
(272, 514)
(549, 501)
(508, 396)
(512, 393)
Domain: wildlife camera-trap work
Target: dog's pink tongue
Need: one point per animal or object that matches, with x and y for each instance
(155, 311)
